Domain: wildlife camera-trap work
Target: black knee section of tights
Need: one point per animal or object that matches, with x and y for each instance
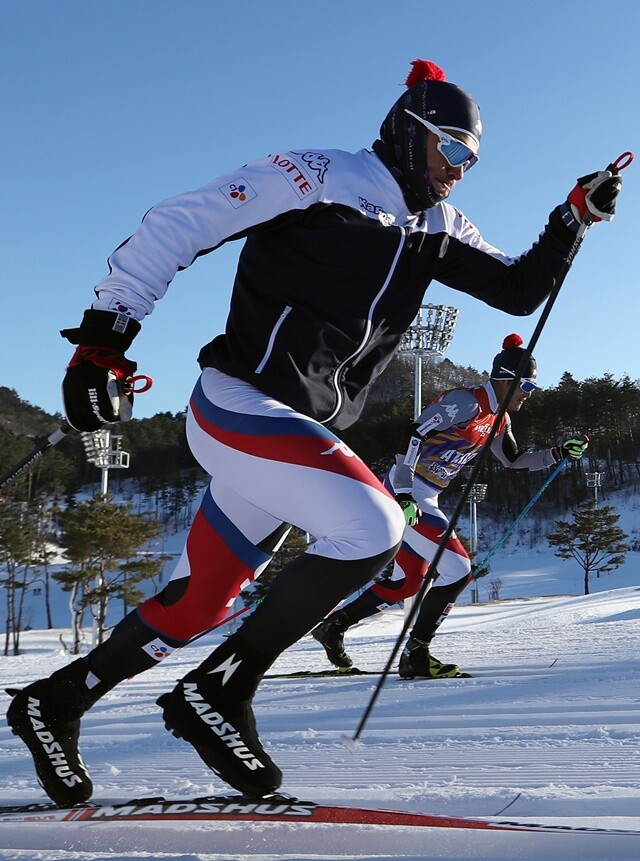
(365, 605)
(132, 648)
(302, 594)
(434, 603)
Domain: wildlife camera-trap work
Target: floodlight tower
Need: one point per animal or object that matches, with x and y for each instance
(594, 480)
(428, 337)
(104, 449)
(476, 495)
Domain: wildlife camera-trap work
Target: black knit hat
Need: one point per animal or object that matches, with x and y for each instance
(506, 363)
(403, 140)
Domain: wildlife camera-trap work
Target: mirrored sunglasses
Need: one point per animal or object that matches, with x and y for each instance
(455, 152)
(527, 386)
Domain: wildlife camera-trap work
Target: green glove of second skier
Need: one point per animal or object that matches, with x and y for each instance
(574, 448)
(409, 509)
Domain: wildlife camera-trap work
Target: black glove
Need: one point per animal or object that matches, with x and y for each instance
(409, 509)
(95, 389)
(574, 448)
(593, 198)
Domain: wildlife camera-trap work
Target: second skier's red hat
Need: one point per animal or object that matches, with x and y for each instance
(506, 363)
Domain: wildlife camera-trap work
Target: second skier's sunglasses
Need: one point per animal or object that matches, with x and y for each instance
(527, 386)
(526, 383)
(456, 153)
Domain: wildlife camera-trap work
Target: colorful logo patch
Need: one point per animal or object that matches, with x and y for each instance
(238, 192)
(157, 650)
(117, 305)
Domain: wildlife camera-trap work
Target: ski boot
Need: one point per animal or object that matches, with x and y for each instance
(416, 662)
(330, 635)
(46, 716)
(214, 715)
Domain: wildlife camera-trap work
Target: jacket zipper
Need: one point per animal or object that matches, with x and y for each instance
(367, 332)
(274, 332)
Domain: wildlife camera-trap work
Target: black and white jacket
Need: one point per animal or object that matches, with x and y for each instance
(333, 270)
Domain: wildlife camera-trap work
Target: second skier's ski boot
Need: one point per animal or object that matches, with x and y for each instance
(416, 662)
(211, 709)
(330, 635)
(46, 716)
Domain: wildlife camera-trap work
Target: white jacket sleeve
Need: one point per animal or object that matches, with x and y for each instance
(178, 230)
(505, 448)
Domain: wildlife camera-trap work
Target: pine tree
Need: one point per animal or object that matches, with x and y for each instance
(103, 543)
(594, 540)
(17, 550)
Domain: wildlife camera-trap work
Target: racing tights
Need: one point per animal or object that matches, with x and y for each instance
(270, 466)
(410, 567)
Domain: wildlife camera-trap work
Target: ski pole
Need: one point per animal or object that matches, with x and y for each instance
(42, 445)
(621, 162)
(128, 387)
(219, 624)
(559, 467)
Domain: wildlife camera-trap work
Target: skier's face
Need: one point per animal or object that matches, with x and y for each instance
(518, 399)
(443, 175)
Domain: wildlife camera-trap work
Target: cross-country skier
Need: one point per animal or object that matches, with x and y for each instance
(444, 438)
(339, 249)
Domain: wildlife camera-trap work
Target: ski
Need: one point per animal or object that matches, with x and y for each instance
(323, 674)
(349, 673)
(270, 808)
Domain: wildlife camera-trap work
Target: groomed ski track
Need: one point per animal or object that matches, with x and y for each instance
(551, 713)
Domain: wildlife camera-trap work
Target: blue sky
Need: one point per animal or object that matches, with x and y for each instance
(109, 107)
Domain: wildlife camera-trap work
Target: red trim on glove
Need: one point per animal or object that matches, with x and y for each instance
(104, 357)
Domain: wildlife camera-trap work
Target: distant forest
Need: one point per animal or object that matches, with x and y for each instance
(606, 409)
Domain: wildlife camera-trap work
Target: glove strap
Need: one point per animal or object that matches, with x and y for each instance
(568, 217)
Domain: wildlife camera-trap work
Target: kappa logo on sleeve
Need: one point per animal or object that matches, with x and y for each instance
(238, 192)
(451, 410)
(317, 162)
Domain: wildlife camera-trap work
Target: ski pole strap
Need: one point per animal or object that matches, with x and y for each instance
(483, 564)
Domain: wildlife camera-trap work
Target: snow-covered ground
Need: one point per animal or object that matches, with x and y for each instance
(550, 717)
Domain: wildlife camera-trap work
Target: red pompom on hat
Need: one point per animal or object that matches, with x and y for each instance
(424, 70)
(512, 341)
